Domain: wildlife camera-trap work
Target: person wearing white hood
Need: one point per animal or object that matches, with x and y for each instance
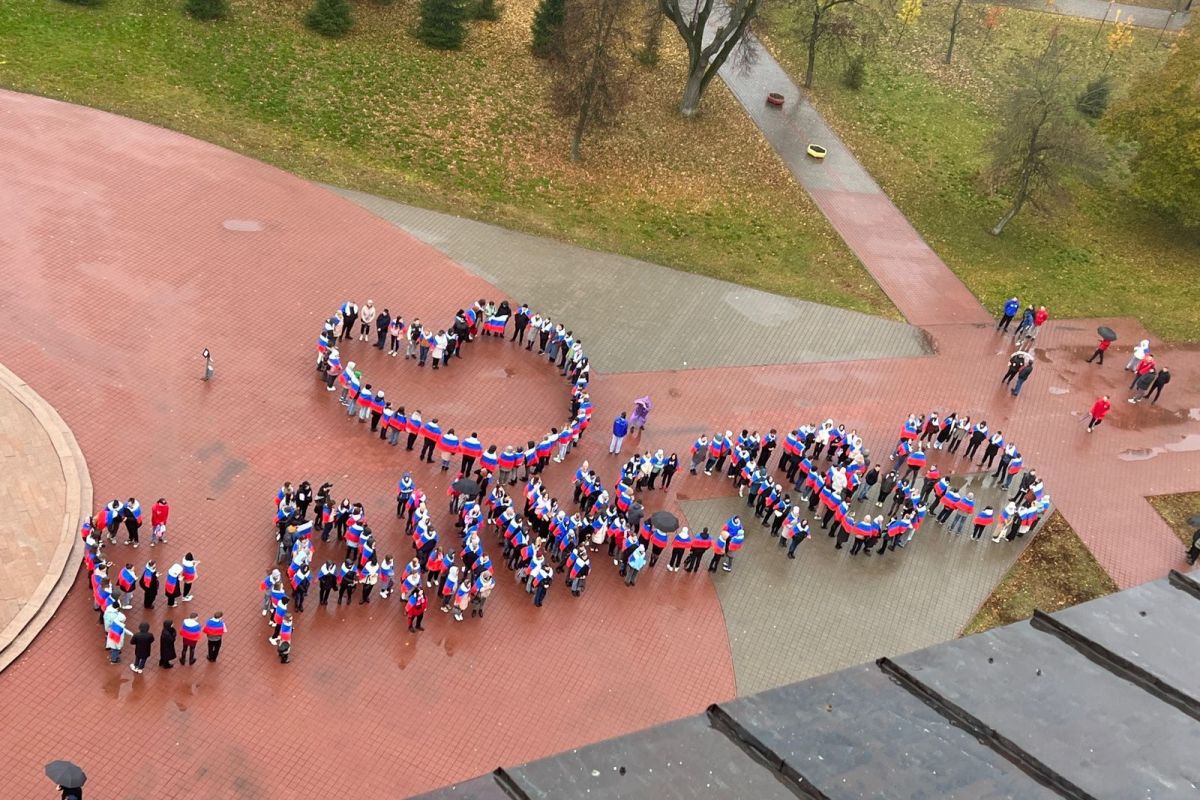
(1141, 351)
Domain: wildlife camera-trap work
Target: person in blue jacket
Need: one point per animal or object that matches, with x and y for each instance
(620, 428)
(1010, 310)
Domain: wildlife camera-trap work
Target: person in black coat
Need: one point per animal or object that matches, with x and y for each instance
(166, 645)
(143, 646)
(1194, 551)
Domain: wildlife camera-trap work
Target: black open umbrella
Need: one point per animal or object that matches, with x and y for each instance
(65, 774)
(1107, 333)
(665, 521)
(466, 486)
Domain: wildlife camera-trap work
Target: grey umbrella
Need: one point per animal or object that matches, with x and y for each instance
(65, 774)
(466, 486)
(665, 521)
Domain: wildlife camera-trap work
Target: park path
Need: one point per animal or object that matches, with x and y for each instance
(1143, 17)
(913, 277)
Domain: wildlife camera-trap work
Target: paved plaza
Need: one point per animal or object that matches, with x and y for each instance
(128, 249)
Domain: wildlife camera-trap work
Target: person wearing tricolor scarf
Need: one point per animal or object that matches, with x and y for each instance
(326, 581)
(414, 609)
(301, 579)
(115, 635)
(174, 584)
(188, 566)
(126, 582)
(215, 630)
(190, 634)
(149, 584)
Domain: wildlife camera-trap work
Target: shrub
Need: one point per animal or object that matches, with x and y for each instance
(486, 10)
(329, 18)
(547, 27)
(207, 10)
(856, 72)
(443, 23)
(1093, 101)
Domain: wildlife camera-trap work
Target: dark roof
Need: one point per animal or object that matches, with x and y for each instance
(1099, 701)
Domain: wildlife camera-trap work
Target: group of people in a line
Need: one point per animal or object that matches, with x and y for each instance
(392, 421)
(113, 589)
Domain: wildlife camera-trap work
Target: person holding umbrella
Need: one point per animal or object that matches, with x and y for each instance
(68, 777)
(1107, 337)
(662, 524)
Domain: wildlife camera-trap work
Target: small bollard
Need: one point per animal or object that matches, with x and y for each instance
(208, 365)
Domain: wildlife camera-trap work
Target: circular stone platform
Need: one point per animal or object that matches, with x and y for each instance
(45, 493)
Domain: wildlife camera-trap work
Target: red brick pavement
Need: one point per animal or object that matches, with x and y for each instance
(127, 272)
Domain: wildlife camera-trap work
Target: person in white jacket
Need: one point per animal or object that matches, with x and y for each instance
(1141, 351)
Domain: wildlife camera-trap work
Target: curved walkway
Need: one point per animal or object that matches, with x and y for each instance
(45, 493)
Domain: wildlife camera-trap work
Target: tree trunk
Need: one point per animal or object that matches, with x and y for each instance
(812, 47)
(692, 91)
(954, 23)
(1008, 215)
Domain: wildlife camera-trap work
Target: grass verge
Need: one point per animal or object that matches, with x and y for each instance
(1176, 509)
(922, 128)
(1055, 571)
(468, 132)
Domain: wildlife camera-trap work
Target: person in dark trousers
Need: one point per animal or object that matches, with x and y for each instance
(149, 584)
(1022, 376)
(669, 469)
(215, 629)
(1192, 554)
(381, 328)
(1100, 349)
(143, 646)
(327, 580)
(520, 322)
(1160, 380)
(166, 645)
(978, 434)
(1099, 410)
(1142, 384)
(1015, 362)
(1011, 307)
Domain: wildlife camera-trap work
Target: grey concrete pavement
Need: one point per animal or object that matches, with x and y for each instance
(790, 620)
(664, 318)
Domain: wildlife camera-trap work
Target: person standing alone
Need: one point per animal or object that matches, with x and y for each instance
(620, 429)
(1099, 410)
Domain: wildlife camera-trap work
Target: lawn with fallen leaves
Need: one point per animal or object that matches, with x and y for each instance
(922, 128)
(1055, 571)
(467, 132)
(1177, 509)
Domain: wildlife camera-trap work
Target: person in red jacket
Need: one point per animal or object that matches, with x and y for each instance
(1100, 349)
(1099, 409)
(1040, 316)
(158, 521)
(414, 609)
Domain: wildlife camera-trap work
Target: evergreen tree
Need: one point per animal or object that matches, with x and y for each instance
(443, 24)
(207, 10)
(486, 10)
(547, 27)
(329, 17)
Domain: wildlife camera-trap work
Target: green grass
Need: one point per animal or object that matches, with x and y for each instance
(922, 129)
(466, 132)
(1055, 571)
(1176, 509)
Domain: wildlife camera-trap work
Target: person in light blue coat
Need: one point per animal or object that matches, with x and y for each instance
(637, 561)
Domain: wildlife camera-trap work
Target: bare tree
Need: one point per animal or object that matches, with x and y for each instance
(708, 49)
(1043, 139)
(956, 21)
(822, 28)
(591, 75)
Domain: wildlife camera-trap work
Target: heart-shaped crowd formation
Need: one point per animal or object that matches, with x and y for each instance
(425, 346)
